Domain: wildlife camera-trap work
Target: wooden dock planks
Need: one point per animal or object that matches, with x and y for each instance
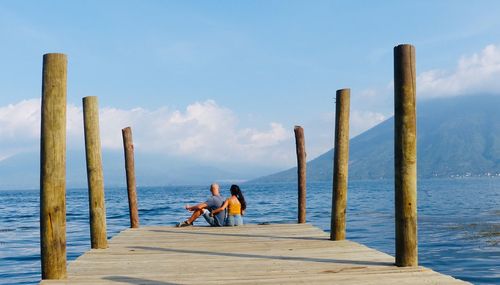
(252, 254)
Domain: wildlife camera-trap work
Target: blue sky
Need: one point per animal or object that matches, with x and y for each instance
(224, 82)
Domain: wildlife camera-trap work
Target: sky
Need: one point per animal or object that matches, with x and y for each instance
(223, 83)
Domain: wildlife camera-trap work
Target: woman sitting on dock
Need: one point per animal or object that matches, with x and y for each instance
(236, 207)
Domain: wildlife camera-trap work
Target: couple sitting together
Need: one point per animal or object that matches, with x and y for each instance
(218, 211)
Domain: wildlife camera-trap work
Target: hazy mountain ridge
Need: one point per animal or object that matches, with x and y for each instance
(457, 136)
(22, 171)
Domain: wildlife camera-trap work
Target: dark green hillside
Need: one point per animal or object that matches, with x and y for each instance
(456, 136)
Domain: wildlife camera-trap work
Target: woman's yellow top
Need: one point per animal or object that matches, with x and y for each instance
(234, 207)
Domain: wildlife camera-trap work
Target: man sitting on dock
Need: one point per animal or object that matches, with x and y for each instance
(205, 209)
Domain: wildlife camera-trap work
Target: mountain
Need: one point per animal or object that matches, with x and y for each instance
(457, 136)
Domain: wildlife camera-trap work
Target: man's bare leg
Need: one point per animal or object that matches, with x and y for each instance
(195, 216)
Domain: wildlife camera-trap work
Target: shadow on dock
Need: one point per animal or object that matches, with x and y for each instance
(275, 257)
(132, 280)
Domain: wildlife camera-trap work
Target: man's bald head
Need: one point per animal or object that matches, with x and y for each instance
(214, 188)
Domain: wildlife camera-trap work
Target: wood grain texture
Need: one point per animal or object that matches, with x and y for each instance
(405, 156)
(128, 147)
(53, 167)
(95, 176)
(340, 165)
(250, 254)
(300, 145)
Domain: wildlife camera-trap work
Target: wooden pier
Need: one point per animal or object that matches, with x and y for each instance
(251, 254)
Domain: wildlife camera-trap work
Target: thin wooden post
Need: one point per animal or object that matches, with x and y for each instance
(300, 146)
(128, 147)
(97, 207)
(53, 167)
(405, 154)
(340, 165)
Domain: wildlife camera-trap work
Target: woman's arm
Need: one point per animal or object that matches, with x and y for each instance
(224, 206)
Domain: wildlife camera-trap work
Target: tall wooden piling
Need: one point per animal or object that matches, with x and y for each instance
(405, 155)
(97, 208)
(340, 165)
(128, 147)
(53, 167)
(300, 146)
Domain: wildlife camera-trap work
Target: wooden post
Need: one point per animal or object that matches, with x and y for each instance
(405, 154)
(53, 167)
(97, 208)
(340, 165)
(128, 147)
(301, 172)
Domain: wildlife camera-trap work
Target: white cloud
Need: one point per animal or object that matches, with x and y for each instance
(361, 121)
(368, 93)
(320, 133)
(476, 73)
(203, 131)
(252, 138)
(19, 127)
(20, 121)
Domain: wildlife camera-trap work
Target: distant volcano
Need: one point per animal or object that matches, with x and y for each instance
(458, 136)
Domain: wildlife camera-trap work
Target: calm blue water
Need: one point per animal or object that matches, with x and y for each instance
(459, 221)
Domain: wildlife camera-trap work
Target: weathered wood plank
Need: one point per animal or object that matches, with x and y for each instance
(95, 176)
(270, 254)
(340, 165)
(53, 167)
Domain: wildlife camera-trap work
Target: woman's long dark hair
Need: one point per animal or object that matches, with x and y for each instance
(235, 190)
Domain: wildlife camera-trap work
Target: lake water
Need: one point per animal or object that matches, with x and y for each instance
(458, 221)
